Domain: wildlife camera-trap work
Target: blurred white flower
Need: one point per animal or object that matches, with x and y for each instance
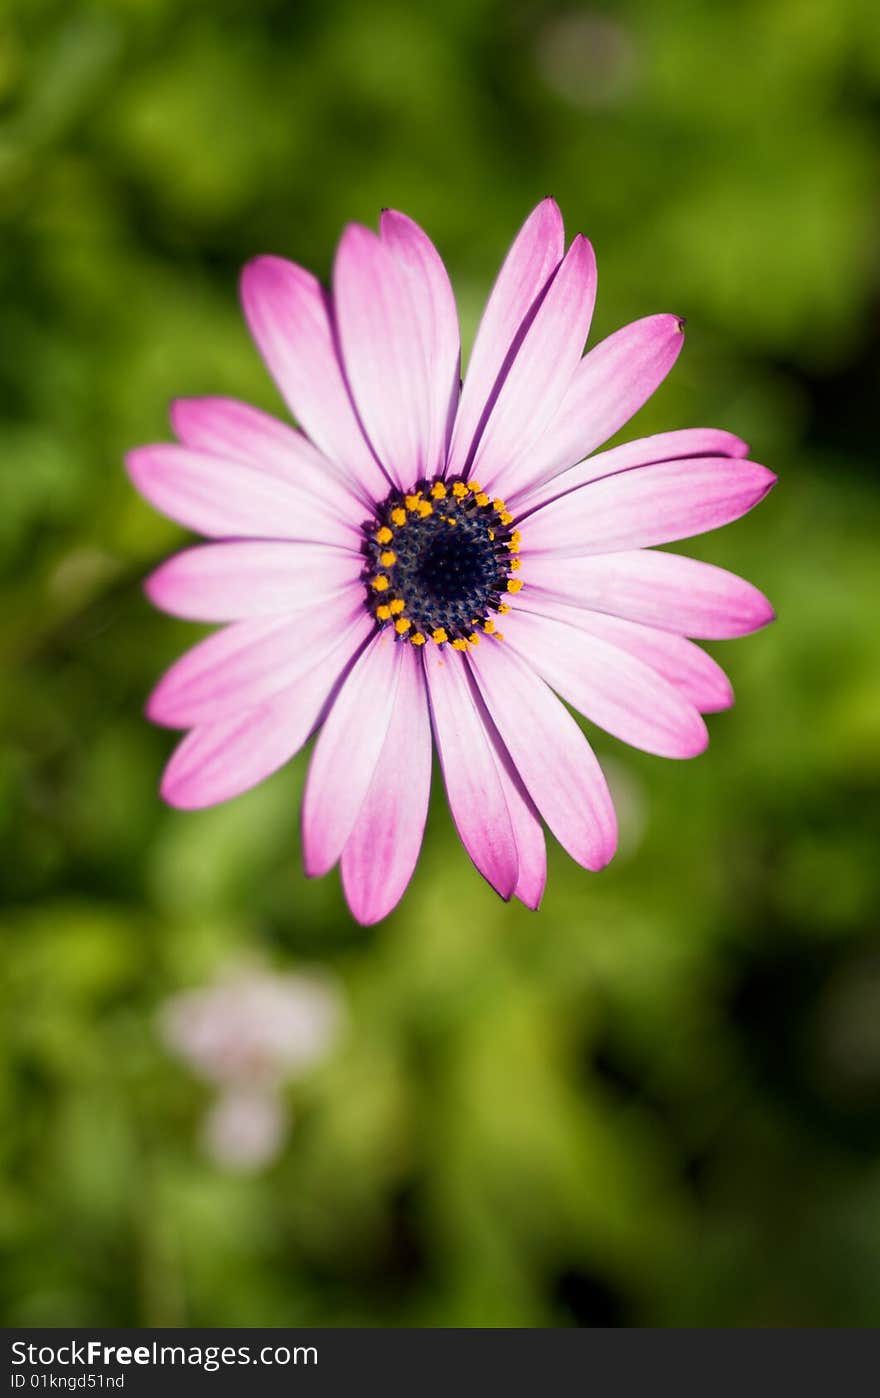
(249, 1033)
(588, 58)
(253, 1026)
(245, 1129)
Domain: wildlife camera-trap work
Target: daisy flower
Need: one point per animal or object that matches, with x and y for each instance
(425, 556)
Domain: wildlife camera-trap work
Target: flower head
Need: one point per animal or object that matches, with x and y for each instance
(430, 556)
(253, 1028)
(248, 1035)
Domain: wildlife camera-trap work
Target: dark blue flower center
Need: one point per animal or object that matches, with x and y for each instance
(440, 561)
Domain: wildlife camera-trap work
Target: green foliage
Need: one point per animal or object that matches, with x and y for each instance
(658, 1101)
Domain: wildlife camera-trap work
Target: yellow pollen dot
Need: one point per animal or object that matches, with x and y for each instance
(384, 535)
(514, 548)
(503, 607)
(402, 625)
(383, 613)
(506, 517)
(474, 638)
(438, 490)
(482, 498)
(398, 516)
(514, 584)
(397, 606)
(425, 509)
(459, 644)
(418, 639)
(474, 486)
(499, 505)
(439, 636)
(388, 558)
(459, 490)
(489, 626)
(491, 533)
(380, 582)
(516, 537)
(411, 501)
(499, 636)
(515, 563)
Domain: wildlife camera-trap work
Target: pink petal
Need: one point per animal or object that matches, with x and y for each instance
(221, 498)
(347, 751)
(646, 451)
(219, 761)
(437, 318)
(610, 385)
(551, 754)
(659, 589)
(249, 662)
(381, 852)
(224, 427)
(699, 678)
(533, 258)
(473, 786)
(251, 578)
(541, 371)
(288, 313)
(609, 686)
(648, 505)
(528, 832)
(383, 349)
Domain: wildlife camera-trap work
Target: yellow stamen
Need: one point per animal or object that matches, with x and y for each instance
(499, 505)
(474, 638)
(402, 625)
(397, 606)
(514, 584)
(491, 533)
(482, 498)
(459, 490)
(411, 502)
(418, 639)
(489, 626)
(398, 516)
(424, 509)
(388, 558)
(459, 644)
(498, 636)
(503, 607)
(384, 535)
(438, 490)
(515, 563)
(516, 537)
(380, 582)
(474, 486)
(383, 613)
(439, 636)
(506, 517)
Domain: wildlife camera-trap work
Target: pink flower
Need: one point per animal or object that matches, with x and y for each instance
(424, 556)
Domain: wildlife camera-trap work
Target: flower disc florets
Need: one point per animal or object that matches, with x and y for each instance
(440, 560)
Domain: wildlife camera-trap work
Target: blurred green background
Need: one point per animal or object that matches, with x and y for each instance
(657, 1101)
